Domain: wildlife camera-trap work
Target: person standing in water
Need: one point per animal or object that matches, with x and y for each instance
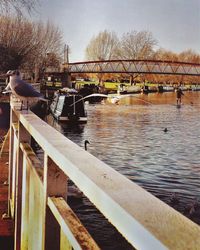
(179, 94)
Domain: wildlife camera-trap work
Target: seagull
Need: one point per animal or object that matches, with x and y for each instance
(7, 88)
(22, 90)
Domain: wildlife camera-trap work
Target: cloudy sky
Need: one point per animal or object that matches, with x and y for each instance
(174, 23)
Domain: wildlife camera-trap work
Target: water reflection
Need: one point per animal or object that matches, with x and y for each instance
(130, 138)
(189, 98)
(71, 130)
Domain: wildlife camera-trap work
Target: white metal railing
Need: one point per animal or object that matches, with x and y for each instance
(44, 220)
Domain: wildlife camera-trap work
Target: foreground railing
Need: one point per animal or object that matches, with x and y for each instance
(37, 192)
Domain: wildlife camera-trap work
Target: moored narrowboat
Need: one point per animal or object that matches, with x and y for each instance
(68, 106)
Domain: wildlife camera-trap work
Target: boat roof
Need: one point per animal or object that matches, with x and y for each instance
(67, 91)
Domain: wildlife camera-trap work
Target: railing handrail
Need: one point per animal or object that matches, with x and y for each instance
(145, 221)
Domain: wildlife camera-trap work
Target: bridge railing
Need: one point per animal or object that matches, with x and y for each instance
(136, 66)
(38, 190)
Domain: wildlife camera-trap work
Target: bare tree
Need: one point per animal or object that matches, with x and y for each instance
(189, 56)
(165, 55)
(26, 44)
(185, 56)
(18, 6)
(137, 45)
(103, 46)
(46, 39)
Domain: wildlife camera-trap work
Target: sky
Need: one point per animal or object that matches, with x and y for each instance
(175, 24)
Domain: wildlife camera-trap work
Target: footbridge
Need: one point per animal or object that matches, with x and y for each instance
(136, 66)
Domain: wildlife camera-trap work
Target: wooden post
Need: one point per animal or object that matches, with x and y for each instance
(25, 209)
(23, 136)
(13, 119)
(64, 243)
(55, 184)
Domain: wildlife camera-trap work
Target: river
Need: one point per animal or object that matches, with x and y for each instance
(131, 138)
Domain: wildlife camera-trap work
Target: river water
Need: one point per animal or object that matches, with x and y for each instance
(130, 138)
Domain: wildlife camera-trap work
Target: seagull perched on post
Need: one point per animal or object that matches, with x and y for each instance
(22, 90)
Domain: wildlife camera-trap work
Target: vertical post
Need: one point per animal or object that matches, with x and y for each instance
(25, 207)
(55, 184)
(131, 80)
(67, 82)
(66, 54)
(23, 136)
(13, 119)
(64, 243)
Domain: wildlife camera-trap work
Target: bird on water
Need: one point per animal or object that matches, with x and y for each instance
(22, 90)
(85, 144)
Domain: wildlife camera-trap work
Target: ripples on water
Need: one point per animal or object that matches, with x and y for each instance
(130, 138)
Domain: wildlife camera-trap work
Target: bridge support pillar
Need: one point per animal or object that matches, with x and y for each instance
(67, 83)
(131, 79)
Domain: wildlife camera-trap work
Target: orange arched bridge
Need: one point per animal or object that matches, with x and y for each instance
(136, 66)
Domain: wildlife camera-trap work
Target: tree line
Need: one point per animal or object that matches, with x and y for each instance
(133, 45)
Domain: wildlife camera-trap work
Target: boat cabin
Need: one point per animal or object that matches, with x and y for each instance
(68, 106)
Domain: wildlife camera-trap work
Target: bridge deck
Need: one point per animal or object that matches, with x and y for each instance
(6, 225)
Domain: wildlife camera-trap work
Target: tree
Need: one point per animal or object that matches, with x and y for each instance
(189, 56)
(137, 45)
(46, 40)
(25, 44)
(13, 42)
(103, 47)
(18, 6)
(165, 55)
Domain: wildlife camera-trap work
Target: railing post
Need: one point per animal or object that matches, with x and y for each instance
(25, 208)
(64, 243)
(13, 119)
(23, 136)
(55, 184)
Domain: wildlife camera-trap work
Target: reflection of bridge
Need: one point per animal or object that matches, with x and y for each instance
(136, 66)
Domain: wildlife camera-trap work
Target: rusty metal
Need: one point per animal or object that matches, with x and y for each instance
(136, 66)
(71, 225)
